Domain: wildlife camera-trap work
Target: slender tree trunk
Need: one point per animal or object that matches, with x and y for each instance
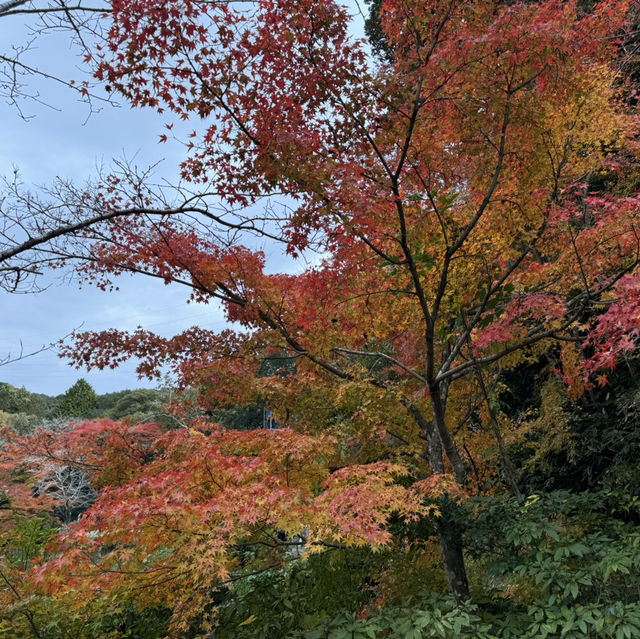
(457, 463)
(433, 449)
(509, 472)
(450, 543)
(449, 538)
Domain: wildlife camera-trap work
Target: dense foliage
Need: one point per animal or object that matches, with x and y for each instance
(453, 376)
(78, 401)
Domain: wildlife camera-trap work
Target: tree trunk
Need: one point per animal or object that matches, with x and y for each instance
(457, 463)
(449, 538)
(509, 472)
(453, 559)
(433, 450)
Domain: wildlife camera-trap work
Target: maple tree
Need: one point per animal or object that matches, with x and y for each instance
(176, 508)
(448, 193)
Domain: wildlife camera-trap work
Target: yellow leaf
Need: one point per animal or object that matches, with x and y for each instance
(248, 620)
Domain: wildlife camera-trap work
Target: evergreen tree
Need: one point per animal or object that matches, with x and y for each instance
(78, 401)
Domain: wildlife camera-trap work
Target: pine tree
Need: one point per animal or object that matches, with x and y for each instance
(78, 401)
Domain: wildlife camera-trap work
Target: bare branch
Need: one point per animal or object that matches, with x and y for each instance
(392, 360)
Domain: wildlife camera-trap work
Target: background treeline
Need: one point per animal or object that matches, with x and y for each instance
(25, 411)
(80, 400)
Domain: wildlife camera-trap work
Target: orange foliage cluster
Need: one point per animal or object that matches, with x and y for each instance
(176, 507)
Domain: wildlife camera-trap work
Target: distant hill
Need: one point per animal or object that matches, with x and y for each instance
(19, 400)
(136, 404)
(24, 411)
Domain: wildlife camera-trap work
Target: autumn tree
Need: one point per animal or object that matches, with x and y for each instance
(446, 189)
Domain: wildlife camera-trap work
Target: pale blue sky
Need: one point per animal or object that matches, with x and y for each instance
(61, 140)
